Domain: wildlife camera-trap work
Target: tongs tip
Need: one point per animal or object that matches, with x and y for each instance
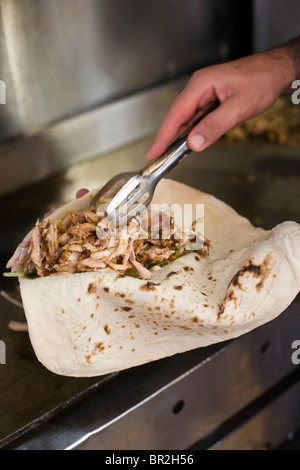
(132, 199)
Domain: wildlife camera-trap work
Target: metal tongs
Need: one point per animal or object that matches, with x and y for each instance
(133, 191)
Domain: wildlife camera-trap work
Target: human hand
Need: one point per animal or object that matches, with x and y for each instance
(245, 88)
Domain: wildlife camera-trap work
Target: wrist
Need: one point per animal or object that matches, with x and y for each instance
(290, 59)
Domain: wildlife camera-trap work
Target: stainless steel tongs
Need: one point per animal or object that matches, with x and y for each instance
(138, 190)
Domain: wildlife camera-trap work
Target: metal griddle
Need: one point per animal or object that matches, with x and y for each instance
(230, 395)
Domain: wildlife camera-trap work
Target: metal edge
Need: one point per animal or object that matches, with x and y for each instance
(85, 136)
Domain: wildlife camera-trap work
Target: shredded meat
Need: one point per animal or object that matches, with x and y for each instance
(83, 242)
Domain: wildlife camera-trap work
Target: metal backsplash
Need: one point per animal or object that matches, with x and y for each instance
(275, 22)
(62, 59)
(67, 56)
(9, 116)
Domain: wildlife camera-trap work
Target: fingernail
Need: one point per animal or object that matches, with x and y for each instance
(47, 214)
(81, 192)
(196, 142)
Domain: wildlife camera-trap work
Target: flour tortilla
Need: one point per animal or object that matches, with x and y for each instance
(91, 324)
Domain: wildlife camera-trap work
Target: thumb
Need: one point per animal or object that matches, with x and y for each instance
(215, 124)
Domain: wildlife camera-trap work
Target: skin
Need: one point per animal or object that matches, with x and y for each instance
(245, 88)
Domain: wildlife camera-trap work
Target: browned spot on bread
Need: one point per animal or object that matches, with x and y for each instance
(107, 329)
(197, 258)
(129, 301)
(231, 297)
(188, 268)
(149, 286)
(126, 309)
(189, 312)
(98, 348)
(79, 299)
(172, 273)
(106, 289)
(91, 288)
(260, 272)
(221, 308)
(120, 294)
(178, 287)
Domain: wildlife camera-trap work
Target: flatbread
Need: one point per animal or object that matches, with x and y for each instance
(91, 324)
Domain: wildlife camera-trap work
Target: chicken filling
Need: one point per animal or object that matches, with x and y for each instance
(83, 242)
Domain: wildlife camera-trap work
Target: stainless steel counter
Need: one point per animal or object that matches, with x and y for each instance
(200, 396)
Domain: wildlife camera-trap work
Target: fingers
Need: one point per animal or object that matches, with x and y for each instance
(215, 124)
(173, 124)
(192, 99)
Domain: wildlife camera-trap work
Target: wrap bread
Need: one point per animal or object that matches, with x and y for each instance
(94, 323)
